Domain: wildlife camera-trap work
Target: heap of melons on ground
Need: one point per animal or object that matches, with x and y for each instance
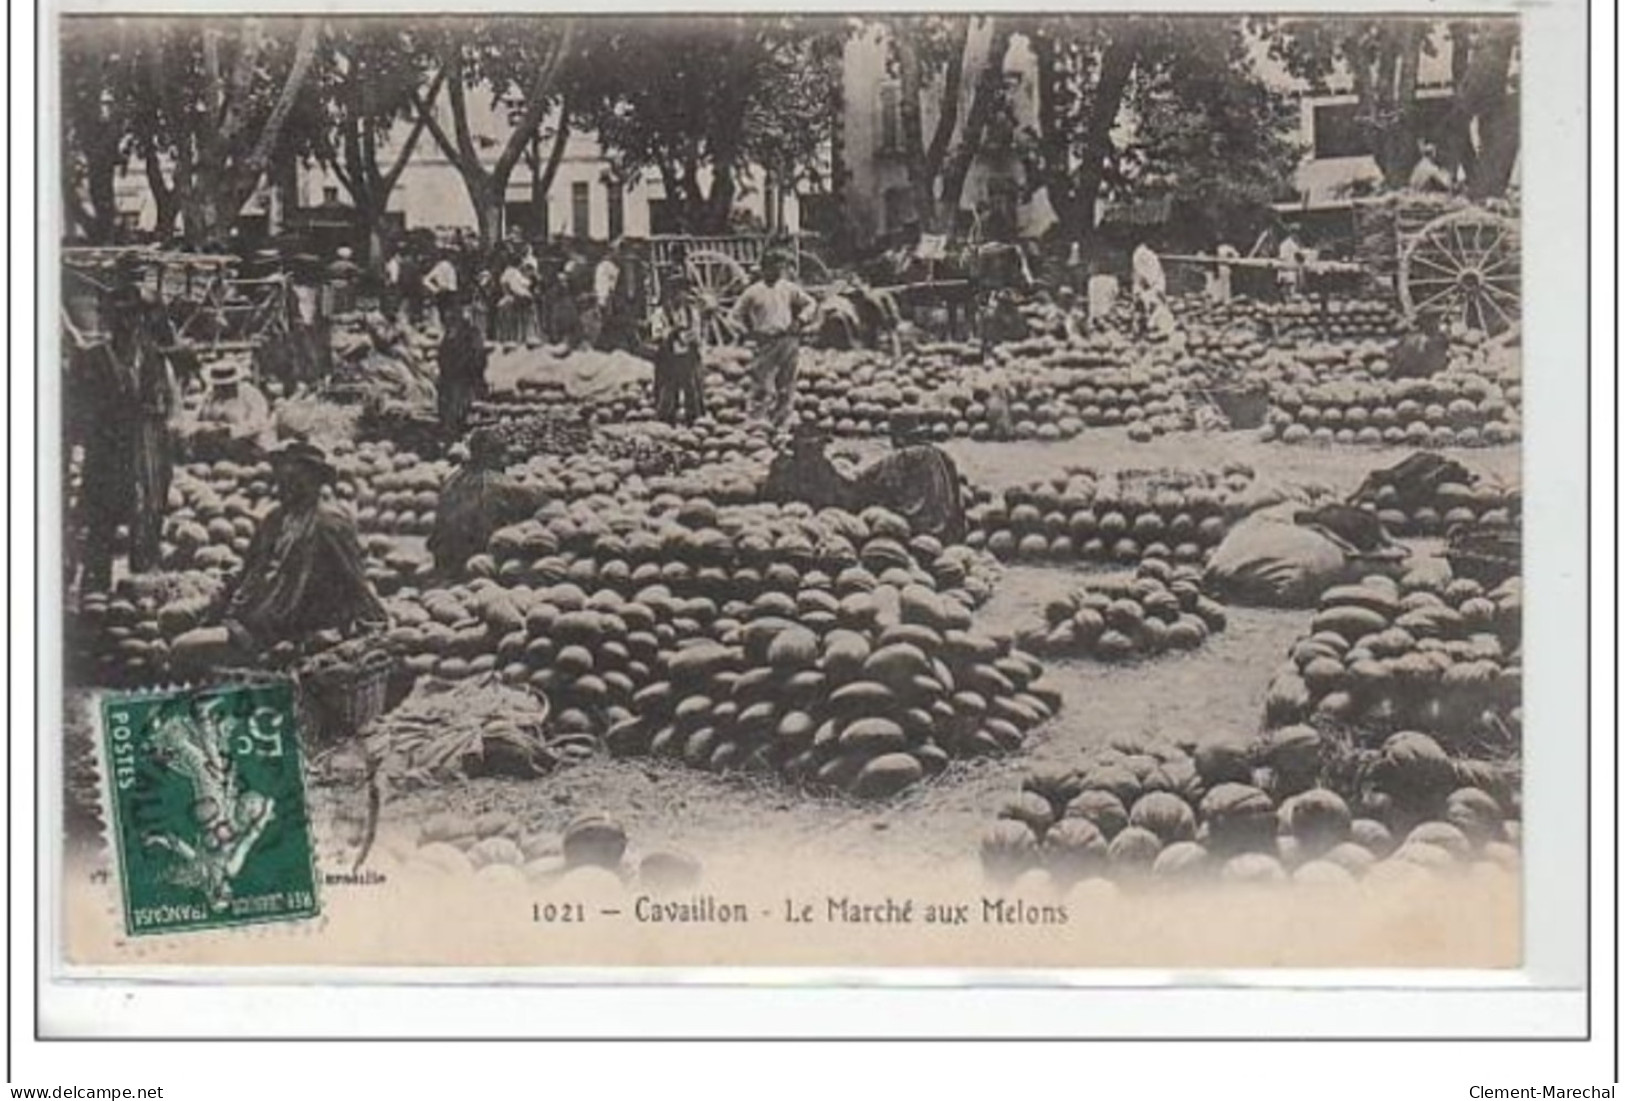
(1450, 410)
(1147, 813)
(590, 602)
(1081, 515)
(1161, 608)
(1449, 505)
(861, 687)
(1430, 652)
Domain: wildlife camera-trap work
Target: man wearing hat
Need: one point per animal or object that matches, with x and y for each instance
(674, 327)
(773, 312)
(234, 410)
(131, 400)
(303, 571)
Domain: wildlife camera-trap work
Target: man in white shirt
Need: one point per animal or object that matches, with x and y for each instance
(1290, 274)
(1427, 175)
(1150, 285)
(606, 276)
(441, 286)
(772, 313)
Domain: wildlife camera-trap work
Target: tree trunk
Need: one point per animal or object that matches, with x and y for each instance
(719, 204)
(163, 197)
(1116, 66)
(984, 101)
(912, 128)
(486, 195)
(550, 170)
(1458, 151)
(1486, 99)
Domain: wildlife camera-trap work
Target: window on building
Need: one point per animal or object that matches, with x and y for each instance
(330, 196)
(891, 118)
(519, 215)
(580, 209)
(1338, 132)
(617, 209)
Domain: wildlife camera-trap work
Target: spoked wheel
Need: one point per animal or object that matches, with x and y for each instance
(717, 280)
(1467, 267)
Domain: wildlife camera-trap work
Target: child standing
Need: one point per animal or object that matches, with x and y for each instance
(675, 330)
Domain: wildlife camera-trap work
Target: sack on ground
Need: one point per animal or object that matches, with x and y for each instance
(1270, 561)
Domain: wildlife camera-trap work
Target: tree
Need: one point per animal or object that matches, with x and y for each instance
(1205, 131)
(521, 62)
(929, 55)
(1131, 105)
(1380, 57)
(1482, 131)
(100, 94)
(702, 99)
(217, 96)
(369, 75)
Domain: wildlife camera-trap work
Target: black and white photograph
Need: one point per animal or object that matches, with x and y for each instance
(903, 489)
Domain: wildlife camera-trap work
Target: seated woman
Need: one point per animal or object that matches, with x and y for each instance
(918, 481)
(477, 501)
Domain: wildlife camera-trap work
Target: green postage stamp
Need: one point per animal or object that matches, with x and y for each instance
(208, 808)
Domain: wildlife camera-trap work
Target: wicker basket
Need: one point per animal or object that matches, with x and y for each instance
(333, 705)
(337, 704)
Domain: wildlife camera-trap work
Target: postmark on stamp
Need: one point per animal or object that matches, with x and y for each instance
(208, 808)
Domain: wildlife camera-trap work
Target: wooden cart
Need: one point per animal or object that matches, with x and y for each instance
(720, 268)
(209, 307)
(1446, 256)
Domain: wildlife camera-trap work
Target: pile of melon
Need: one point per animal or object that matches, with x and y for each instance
(214, 509)
(393, 491)
(1448, 505)
(123, 638)
(1431, 652)
(699, 548)
(1052, 391)
(585, 601)
(1082, 516)
(1156, 814)
(1160, 609)
(1454, 409)
(854, 687)
(1339, 318)
(587, 651)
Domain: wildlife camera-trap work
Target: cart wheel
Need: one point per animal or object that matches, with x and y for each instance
(718, 281)
(1466, 266)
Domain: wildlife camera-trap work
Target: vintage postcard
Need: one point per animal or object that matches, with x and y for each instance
(937, 490)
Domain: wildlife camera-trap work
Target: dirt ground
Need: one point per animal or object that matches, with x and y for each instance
(1217, 689)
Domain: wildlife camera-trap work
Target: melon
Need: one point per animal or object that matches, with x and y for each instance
(1134, 851)
(1009, 848)
(1164, 814)
(886, 775)
(1101, 808)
